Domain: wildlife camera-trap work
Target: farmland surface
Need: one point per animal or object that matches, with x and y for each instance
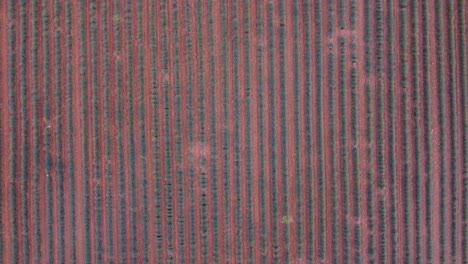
(233, 131)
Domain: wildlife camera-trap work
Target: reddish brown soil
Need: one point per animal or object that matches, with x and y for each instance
(284, 131)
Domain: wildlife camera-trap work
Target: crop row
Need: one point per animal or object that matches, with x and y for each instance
(103, 136)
